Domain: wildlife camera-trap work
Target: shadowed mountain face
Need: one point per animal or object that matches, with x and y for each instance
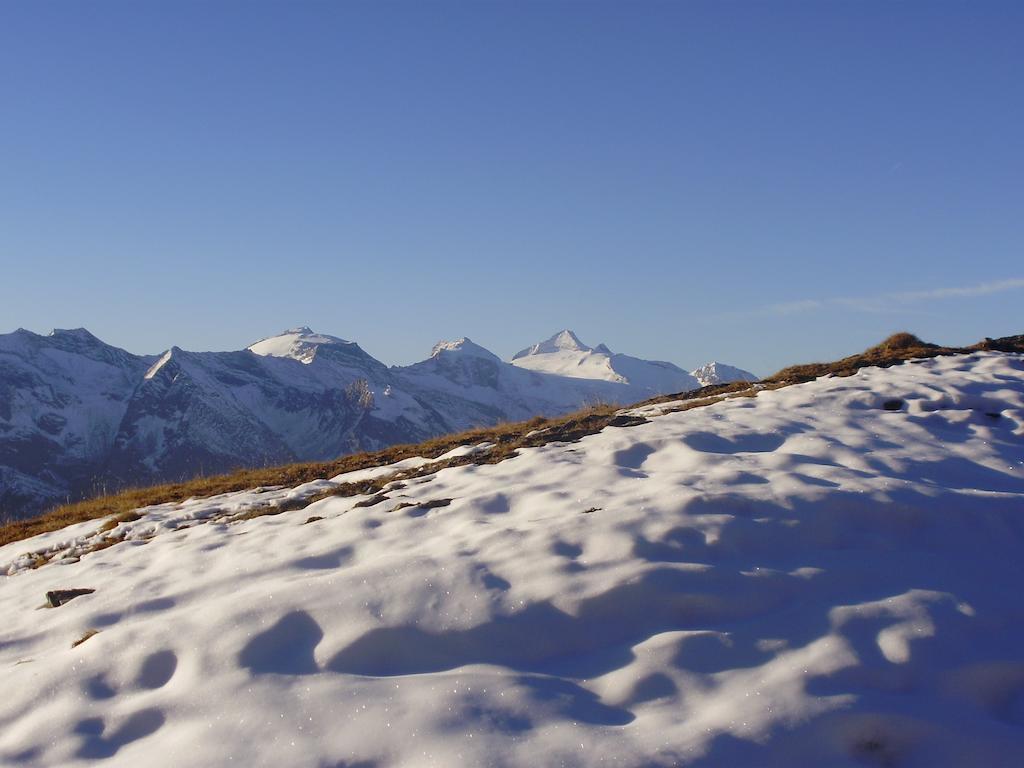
(78, 416)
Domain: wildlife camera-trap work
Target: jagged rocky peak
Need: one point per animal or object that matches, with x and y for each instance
(563, 341)
(301, 343)
(464, 347)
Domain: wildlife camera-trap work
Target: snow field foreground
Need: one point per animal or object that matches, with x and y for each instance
(828, 574)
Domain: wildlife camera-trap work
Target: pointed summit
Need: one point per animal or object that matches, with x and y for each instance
(563, 341)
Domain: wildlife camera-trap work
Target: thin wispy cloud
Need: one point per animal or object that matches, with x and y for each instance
(892, 302)
(796, 307)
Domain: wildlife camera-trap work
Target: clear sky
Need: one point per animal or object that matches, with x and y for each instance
(757, 182)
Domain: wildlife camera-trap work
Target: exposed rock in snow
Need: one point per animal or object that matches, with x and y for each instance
(801, 578)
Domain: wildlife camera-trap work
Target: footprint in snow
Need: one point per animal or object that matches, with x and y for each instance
(157, 670)
(97, 745)
(286, 648)
(752, 442)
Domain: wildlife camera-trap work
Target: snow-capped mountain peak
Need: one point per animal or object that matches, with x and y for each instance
(299, 344)
(720, 373)
(565, 355)
(463, 346)
(563, 341)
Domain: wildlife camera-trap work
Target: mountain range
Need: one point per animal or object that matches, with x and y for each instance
(79, 417)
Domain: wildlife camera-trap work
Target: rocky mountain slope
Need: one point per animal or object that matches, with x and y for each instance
(822, 575)
(78, 416)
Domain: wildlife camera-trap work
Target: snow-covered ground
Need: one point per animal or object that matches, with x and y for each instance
(827, 574)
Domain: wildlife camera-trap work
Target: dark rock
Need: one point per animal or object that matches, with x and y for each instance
(434, 503)
(57, 597)
(372, 501)
(419, 510)
(625, 420)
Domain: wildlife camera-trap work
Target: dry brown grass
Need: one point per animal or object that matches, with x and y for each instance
(507, 438)
(896, 349)
(122, 504)
(88, 633)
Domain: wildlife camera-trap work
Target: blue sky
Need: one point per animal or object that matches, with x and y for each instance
(761, 183)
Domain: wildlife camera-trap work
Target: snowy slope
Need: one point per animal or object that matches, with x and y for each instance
(565, 355)
(824, 575)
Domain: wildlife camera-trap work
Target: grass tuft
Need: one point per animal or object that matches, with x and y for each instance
(89, 633)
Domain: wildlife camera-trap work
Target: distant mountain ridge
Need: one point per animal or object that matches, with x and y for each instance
(565, 355)
(78, 416)
(720, 373)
